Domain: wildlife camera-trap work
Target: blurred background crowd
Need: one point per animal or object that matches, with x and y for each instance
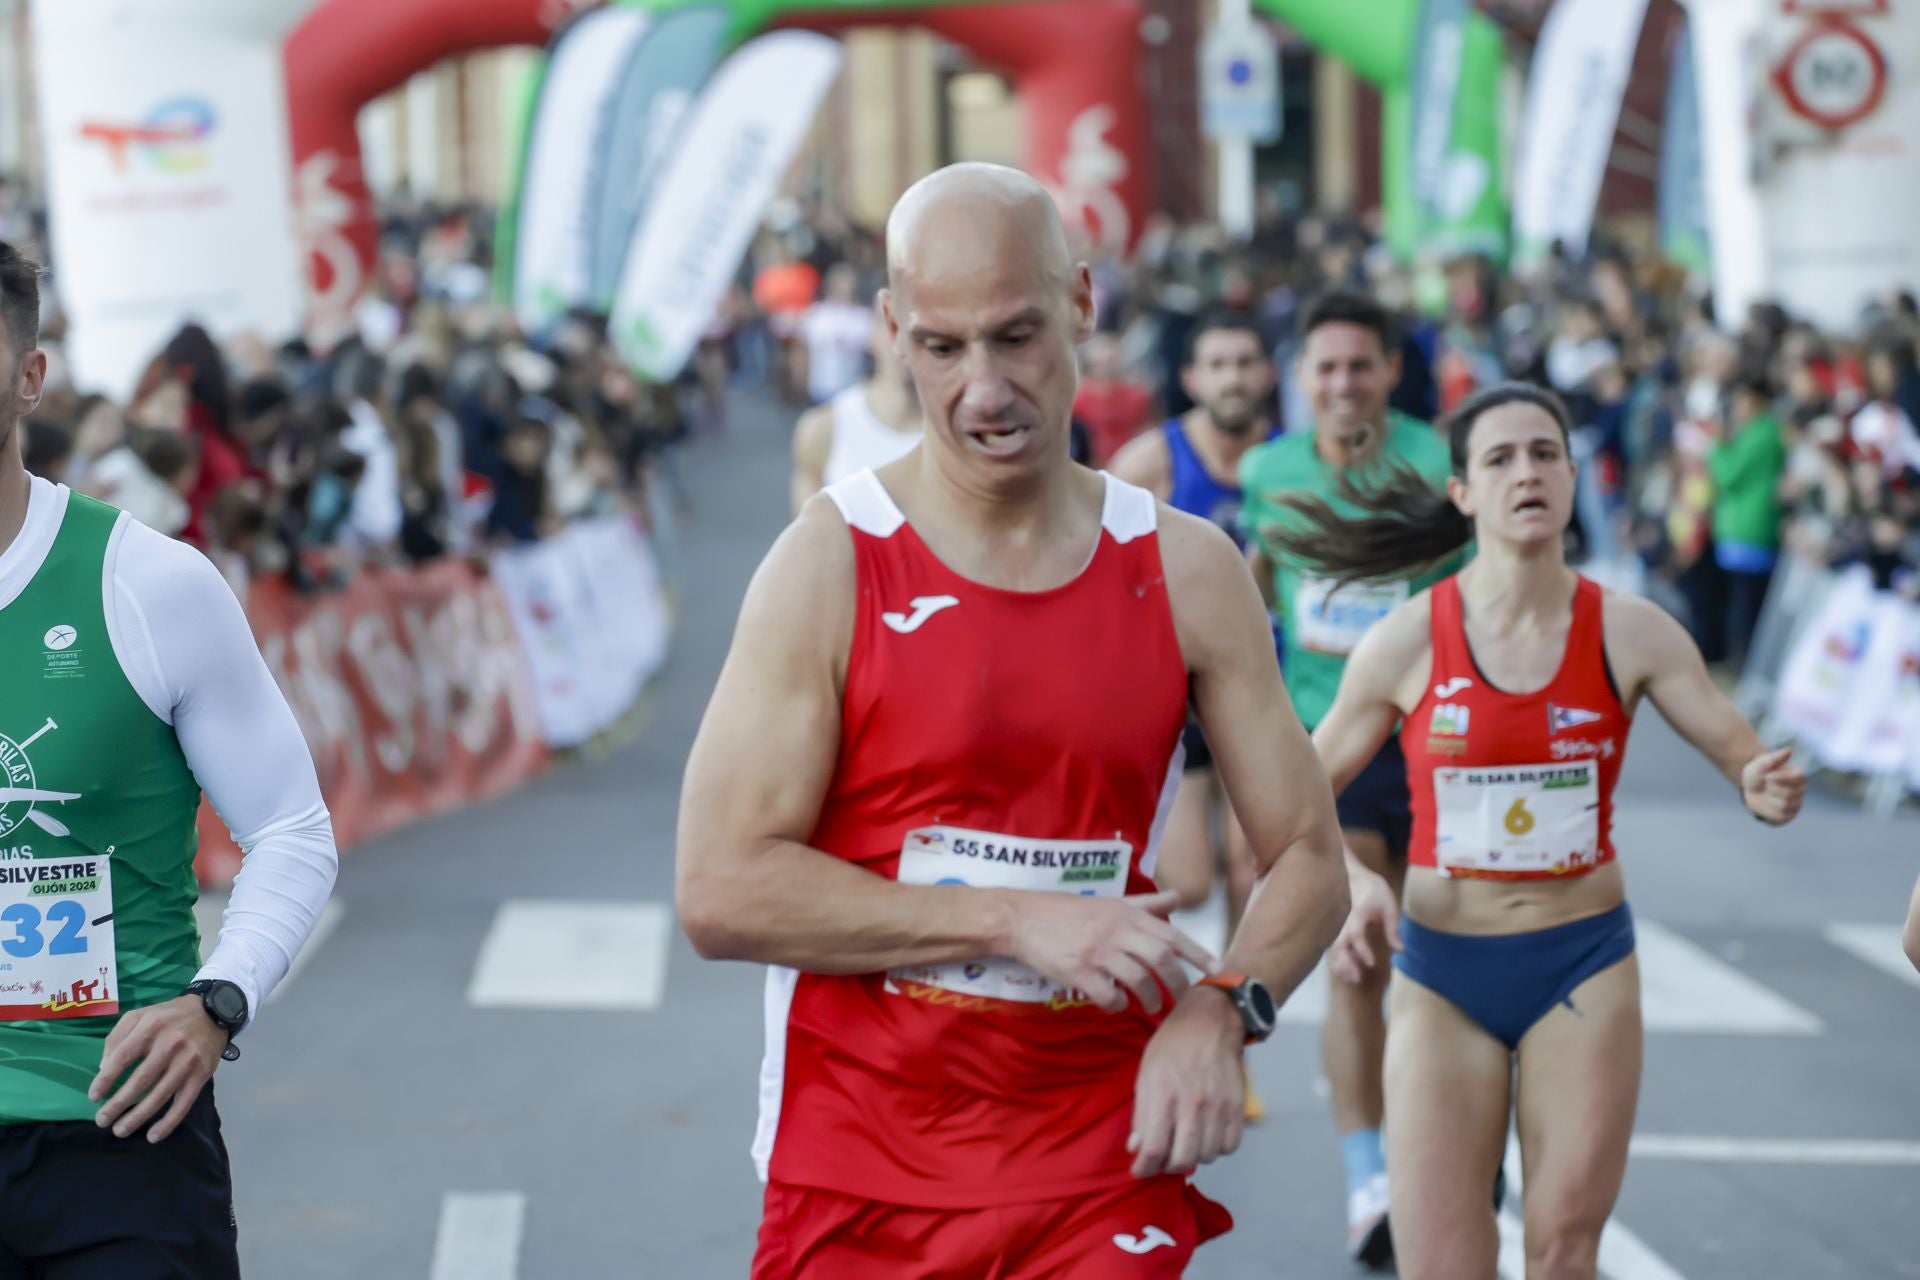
(1714, 446)
(428, 429)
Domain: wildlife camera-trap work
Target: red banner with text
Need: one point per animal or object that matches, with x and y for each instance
(412, 689)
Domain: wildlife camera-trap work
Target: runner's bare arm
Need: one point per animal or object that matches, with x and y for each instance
(1144, 461)
(812, 442)
(1383, 678)
(1262, 573)
(1266, 761)
(1652, 655)
(1188, 1102)
(1911, 936)
(750, 888)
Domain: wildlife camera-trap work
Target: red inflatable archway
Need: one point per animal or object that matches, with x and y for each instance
(1074, 64)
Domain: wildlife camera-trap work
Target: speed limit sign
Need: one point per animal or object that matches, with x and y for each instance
(1833, 75)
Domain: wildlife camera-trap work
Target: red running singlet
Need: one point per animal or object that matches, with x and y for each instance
(1512, 786)
(994, 738)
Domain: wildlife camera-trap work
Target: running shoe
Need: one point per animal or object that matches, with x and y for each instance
(1369, 1241)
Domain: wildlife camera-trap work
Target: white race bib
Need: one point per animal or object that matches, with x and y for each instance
(1535, 819)
(985, 860)
(1329, 618)
(56, 939)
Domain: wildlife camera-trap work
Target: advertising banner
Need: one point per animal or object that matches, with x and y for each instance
(592, 619)
(1822, 668)
(1685, 234)
(649, 107)
(565, 164)
(742, 134)
(411, 689)
(1574, 90)
(169, 183)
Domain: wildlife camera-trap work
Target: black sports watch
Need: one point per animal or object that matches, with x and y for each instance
(226, 1004)
(1251, 999)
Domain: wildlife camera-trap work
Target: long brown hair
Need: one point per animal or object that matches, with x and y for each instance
(1404, 524)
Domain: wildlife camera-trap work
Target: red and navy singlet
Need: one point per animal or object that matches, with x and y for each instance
(990, 738)
(1511, 786)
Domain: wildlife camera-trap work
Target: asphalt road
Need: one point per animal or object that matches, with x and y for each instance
(421, 1103)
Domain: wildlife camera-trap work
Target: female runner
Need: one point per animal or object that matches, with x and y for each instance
(1515, 682)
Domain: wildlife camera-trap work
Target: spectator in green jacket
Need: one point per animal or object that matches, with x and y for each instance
(1746, 464)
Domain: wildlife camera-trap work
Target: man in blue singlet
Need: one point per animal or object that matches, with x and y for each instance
(1193, 463)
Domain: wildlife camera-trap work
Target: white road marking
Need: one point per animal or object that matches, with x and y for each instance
(1877, 944)
(1682, 988)
(211, 907)
(1775, 1151)
(1623, 1255)
(479, 1236)
(573, 955)
(1513, 1249)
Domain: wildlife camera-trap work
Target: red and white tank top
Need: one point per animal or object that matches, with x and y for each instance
(1515, 786)
(990, 738)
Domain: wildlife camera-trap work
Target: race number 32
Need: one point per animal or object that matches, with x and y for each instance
(69, 917)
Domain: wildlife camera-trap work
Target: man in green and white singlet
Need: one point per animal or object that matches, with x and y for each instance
(1349, 363)
(129, 681)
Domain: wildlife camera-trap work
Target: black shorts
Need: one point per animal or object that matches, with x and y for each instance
(77, 1203)
(1199, 755)
(1377, 800)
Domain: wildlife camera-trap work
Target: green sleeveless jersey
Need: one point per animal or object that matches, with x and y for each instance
(1323, 625)
(97, 836)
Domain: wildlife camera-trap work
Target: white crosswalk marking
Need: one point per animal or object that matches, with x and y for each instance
(1682, 988)
(1623, 1255)
(211, 907)
(573, 955)
(1775, 1150)
(1877, 944)
(479, 1236)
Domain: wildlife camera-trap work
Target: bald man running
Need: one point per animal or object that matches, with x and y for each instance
(927, 792)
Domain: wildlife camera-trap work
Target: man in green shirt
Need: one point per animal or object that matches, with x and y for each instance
(1746, 465)
(1349, 363)
(129, 680)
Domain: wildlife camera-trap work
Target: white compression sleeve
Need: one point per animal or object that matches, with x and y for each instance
(183, 640)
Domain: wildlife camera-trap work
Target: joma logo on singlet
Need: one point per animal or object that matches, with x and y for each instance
(924, 607)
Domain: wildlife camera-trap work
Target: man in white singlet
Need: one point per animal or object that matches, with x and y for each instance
(833, 335)
(868, 425)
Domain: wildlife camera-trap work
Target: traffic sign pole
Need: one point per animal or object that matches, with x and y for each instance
(1235, 154)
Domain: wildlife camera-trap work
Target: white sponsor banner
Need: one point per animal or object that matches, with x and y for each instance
(1871, 733)
(169, 181)
(1823, 667)
(1574, 91)
(592, 618)
(746, 126)
(553, 246)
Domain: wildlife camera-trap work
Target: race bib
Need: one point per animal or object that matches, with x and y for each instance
(56, 939)
(1329, 618)
(984, 860)
(1527, 820)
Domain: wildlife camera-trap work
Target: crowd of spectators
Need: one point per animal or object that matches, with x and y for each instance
(1713, 446)
(427, 427)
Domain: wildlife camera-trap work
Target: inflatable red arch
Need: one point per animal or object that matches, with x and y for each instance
(1074, 65)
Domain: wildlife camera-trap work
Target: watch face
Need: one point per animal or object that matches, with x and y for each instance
(227, 1003)
(1260, 1003)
